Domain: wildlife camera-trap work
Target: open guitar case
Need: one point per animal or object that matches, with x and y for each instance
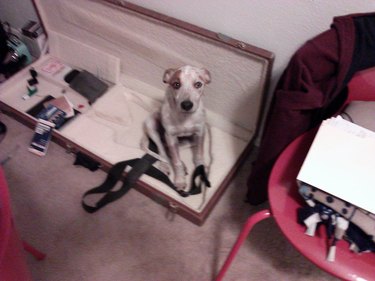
(129, 48)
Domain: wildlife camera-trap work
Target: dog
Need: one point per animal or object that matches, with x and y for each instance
(182, 114)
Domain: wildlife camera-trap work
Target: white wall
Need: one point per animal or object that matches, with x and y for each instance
(278, 26)
(17, 12)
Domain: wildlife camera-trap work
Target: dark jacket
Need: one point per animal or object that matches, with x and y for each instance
(312, 88)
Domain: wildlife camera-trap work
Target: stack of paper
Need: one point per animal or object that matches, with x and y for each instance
(341, 161)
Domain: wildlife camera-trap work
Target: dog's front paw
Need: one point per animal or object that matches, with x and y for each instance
(179, 178)
(180, 184)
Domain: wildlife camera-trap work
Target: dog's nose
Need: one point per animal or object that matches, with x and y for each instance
(186, 105)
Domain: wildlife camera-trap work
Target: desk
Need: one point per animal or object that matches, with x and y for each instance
(284, 202)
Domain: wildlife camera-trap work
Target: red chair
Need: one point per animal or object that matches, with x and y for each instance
(284, 201)
(362, 86)
(13, 264)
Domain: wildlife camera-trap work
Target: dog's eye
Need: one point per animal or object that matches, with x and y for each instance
(198, 85)
(176, 85)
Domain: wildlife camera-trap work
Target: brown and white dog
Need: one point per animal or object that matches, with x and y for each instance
(182, 115)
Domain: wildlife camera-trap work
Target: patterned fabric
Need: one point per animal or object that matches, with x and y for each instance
(341, 220)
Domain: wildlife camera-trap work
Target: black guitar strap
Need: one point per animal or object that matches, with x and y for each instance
(139, 166)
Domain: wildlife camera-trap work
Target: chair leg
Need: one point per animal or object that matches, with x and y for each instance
(36, 253)
(251, 221)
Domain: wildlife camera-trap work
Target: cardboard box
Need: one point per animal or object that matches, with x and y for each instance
(340, 162)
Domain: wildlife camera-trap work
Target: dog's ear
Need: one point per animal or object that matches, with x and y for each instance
(168, 75)
(205, 75)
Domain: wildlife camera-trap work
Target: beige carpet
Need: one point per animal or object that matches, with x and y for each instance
(131, 239)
